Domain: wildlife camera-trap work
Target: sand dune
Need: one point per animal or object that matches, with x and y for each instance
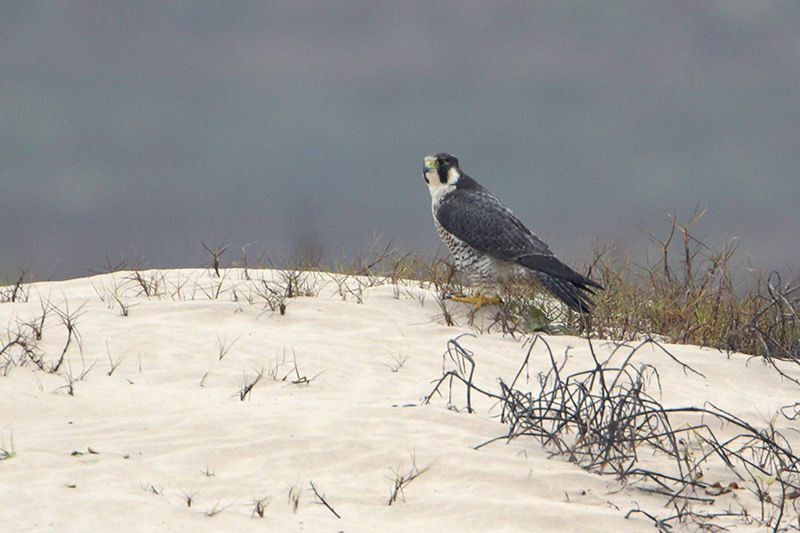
(339, 404)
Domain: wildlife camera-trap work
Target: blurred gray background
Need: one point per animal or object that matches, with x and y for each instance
(134, 130)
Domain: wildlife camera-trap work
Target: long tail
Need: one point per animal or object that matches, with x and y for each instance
(575, 295)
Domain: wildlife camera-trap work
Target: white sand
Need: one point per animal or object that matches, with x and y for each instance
(154, 426)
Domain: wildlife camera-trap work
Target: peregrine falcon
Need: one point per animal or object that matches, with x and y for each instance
(491, 245)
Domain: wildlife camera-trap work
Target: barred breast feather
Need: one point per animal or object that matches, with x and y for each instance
(484, 234)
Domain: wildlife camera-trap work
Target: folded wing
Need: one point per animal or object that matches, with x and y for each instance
(478, 218)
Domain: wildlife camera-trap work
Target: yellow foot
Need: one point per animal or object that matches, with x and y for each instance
(478, 300)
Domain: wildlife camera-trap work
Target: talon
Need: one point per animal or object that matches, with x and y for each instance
(477, 300)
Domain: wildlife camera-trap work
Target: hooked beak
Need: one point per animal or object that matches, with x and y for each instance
(428, 166)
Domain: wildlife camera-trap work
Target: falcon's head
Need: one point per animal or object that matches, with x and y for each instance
(441, 173)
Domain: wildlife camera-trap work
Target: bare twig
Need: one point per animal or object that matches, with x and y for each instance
(603, 419)
(402, 479)
(322, 500)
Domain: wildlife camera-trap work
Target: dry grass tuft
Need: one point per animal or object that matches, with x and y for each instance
(691, 295)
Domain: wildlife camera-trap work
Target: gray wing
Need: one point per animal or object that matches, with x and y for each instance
(478, 218)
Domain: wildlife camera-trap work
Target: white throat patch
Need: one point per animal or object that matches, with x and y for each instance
(437, 189)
